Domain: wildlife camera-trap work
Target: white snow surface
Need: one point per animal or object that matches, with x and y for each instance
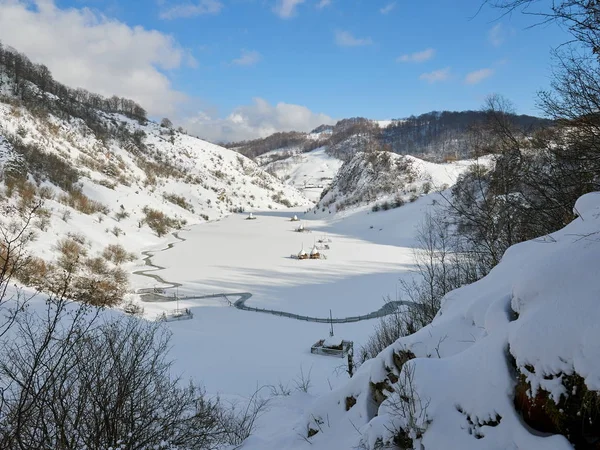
(540, 304)
(233, 351)
(309, 172)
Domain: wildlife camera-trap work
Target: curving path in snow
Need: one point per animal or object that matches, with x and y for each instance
(149, 295)
(148, 262)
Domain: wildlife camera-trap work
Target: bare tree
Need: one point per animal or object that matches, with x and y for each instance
(15, 235)
(441, 265)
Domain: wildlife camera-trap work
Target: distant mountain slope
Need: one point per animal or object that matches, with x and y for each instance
(310, 172)
(435, 136)
(387, 178)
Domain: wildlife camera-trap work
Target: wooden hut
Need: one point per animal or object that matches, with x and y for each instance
(302, 254)
(295, 218)
(250, 217)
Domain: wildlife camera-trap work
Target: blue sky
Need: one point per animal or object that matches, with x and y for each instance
(267, 65)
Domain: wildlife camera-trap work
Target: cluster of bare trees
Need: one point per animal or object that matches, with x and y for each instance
(442, 264)
(443, 135)
(73, 377)
(527, 184)
(437, 135)
(257, 147)
(24, 75)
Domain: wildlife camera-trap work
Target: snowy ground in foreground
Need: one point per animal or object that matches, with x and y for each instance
(233, 351)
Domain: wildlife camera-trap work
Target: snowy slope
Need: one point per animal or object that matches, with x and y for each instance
(309, 172)
(388, 177)
(531, 322)
(164, 168)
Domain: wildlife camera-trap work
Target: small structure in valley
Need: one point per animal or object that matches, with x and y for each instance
(302, 254)
(295, 218)
(176, 314)
(324, 240)
(315, 253)
(332, 346)
(302, 229)
(250, 217)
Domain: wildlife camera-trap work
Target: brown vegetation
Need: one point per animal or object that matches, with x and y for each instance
(159, 222)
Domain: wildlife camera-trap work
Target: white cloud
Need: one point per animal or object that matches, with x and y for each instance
(388, 8)
(323, 3)
(85, 49)
(418, 57)
(478, 76)
(248, 58)
(436, 76)
(198, 8)
(346, 39)
(259, 119)
(497, 35)
(287, 8)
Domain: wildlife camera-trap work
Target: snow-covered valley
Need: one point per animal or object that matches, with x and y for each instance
(306, 290)
(367, 256)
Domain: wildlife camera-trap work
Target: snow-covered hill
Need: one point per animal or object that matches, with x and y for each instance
(98, 183)
(310, 172)
(510, 361)
(388, 178)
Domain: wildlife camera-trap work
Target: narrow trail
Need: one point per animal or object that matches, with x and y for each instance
(149, 295)
(148, 262)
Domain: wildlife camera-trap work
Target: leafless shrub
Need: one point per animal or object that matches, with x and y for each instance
(121, 214)
(238, 420)
(15, 236)
(76, 199)
(133, 309)
(407, 410)
(389, 329)
(88, 385)
(159, 222)
(179, 200)
(66, 215)
(303, 381)
(117, 254)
